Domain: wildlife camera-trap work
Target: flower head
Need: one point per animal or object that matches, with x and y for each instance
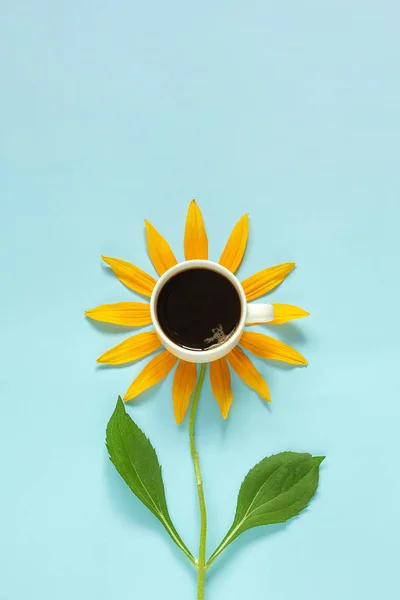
(138, 314)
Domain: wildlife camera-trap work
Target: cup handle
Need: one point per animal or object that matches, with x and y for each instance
(259, 313)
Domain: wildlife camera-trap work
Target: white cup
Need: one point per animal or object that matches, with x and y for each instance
(250, 313)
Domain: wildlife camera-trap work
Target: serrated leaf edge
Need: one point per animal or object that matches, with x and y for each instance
(147, 500)
(233, 531)
(264, 484)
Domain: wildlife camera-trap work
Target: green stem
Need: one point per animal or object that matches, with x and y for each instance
(201, 563)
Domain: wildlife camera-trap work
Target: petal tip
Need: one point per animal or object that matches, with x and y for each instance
(266, 393)
(127, 396)
(225, 410)
(102, 359)
(266, 396)
(148, 227)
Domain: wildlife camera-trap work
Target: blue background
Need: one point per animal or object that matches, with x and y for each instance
(112, 112)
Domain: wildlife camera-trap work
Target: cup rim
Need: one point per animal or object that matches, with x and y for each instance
(198, 355)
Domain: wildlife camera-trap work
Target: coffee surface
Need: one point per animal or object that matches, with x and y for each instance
(198, 309)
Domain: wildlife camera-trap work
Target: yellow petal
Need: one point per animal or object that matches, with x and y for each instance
(243, 367)
(133, 348)
(122, 313)
(159, 250)
(236, 245)
(220, 378)
(196, 242)
(153, 373)
(287, 312)
(182, 388)
(131, 276)
(267, 347)
(264, 281)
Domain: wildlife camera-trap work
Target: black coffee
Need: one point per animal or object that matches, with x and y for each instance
(198, 309)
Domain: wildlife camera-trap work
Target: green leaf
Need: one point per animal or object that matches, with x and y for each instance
(136, 461)
(275, 490)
